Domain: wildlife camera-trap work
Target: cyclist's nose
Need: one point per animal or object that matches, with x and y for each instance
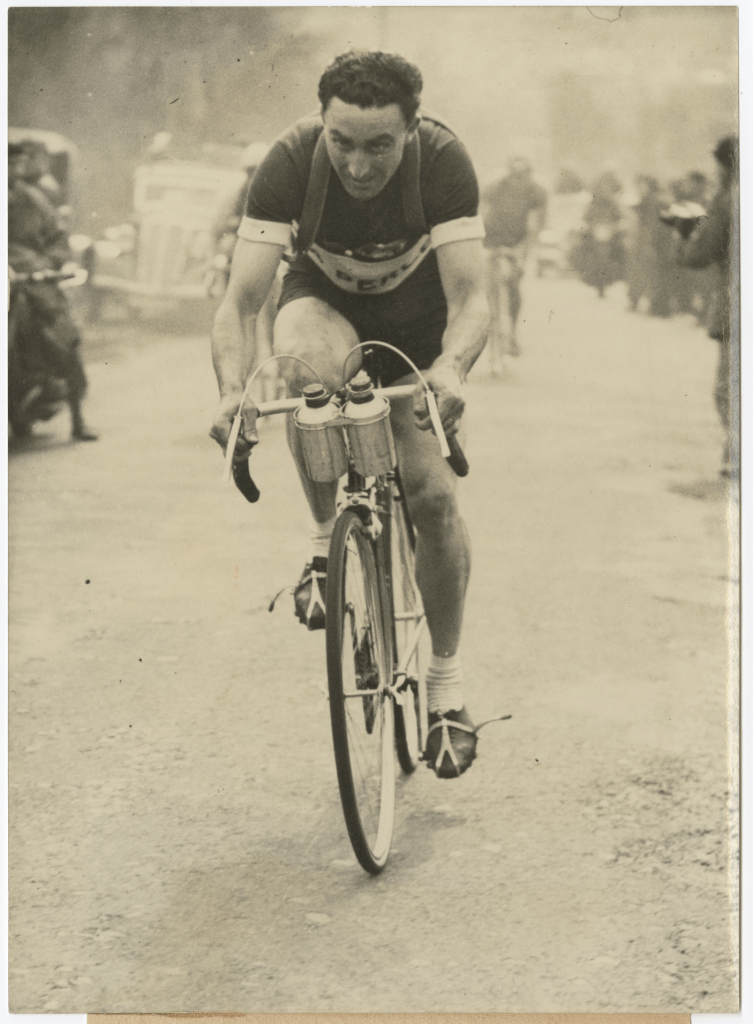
(359, 167)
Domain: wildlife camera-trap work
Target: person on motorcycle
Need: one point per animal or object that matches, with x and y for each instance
(376, 266)
(599, 256)
(514, 212)
(46, 338)
(38, 171)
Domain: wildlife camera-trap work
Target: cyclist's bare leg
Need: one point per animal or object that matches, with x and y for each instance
(443, 561)
(515, 301)
(442, 547)
(493, 285)
(314, 331)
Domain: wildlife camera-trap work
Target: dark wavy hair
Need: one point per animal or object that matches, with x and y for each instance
(368, 78)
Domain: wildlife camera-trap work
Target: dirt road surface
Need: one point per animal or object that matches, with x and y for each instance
(177, 841)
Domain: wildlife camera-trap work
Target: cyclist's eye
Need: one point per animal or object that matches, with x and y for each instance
(379, 148)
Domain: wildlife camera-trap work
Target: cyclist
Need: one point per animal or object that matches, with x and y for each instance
(514, 210)
(370, 273)
(227, 222)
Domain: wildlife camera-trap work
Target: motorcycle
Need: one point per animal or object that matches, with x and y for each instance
(599, 255)
(44, 369)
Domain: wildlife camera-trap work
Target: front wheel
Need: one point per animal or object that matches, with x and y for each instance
(409, 638)
(359, 670)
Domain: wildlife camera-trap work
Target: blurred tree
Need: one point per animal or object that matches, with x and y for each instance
(557, 82)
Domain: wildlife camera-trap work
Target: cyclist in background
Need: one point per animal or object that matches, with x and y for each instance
(231, 214)
(514, 212)
(394, 254)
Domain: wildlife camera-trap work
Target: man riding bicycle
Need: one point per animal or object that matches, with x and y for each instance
(514, 210)
(392, 251)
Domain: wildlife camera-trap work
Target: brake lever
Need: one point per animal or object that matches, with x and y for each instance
(449, 447)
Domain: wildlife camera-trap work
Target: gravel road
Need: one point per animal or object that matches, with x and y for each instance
(176, 836)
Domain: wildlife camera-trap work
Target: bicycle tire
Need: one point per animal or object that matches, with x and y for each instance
(359, 657)
(406, 601)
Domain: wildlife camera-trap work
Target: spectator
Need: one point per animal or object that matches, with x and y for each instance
(645, 278)
(714, 242)
(599, 254)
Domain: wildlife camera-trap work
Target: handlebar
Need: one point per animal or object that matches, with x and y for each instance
(449, 446)
(37, 276)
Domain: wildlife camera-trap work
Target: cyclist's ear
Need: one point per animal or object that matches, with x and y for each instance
(413, 126)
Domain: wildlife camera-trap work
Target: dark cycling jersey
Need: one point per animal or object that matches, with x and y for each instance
(365, 262)
(361, 244)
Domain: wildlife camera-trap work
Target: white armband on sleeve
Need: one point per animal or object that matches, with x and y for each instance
(265, 231)
(459, 230)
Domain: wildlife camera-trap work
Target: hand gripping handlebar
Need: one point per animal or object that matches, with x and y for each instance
(241, 475)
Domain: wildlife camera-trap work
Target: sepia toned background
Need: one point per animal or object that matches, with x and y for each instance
(648, 93)
(176, 836)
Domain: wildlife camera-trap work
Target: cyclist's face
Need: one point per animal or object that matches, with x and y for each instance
(365, 146)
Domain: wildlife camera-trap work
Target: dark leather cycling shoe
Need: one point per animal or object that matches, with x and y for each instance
(310, 593)
(451, 743)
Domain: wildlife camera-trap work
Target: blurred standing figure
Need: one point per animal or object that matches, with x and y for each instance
(682, 279)
(643, 277)
(702, 278)
(714, 242)
(514, 210)
(599, 255)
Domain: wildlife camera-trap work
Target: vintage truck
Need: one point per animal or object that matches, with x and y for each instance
(165, 253)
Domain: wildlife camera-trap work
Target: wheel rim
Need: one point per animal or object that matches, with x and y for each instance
(369, 721)
(407, 609)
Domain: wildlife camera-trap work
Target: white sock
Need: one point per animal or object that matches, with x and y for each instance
(444, 683)
(320, 535)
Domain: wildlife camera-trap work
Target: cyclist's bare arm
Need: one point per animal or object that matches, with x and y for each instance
(234, 337)
(462, 274)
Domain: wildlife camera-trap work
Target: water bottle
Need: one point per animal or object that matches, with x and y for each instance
(320, 427)
(367, 422)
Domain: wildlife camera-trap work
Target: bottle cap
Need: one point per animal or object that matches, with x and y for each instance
(315, 396)
(360, 388)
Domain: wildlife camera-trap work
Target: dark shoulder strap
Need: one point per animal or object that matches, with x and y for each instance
(411, 178)
(429, 115)
(410, 173)
(316, 195)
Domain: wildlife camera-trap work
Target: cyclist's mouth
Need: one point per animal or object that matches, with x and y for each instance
(362, 186)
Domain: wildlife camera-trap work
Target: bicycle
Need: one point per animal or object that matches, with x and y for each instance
(374, 625)
(504, 272)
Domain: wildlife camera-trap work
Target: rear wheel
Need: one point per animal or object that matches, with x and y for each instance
(410, 653)
(359, 669)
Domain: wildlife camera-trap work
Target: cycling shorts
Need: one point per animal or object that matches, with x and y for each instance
(412, 317)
